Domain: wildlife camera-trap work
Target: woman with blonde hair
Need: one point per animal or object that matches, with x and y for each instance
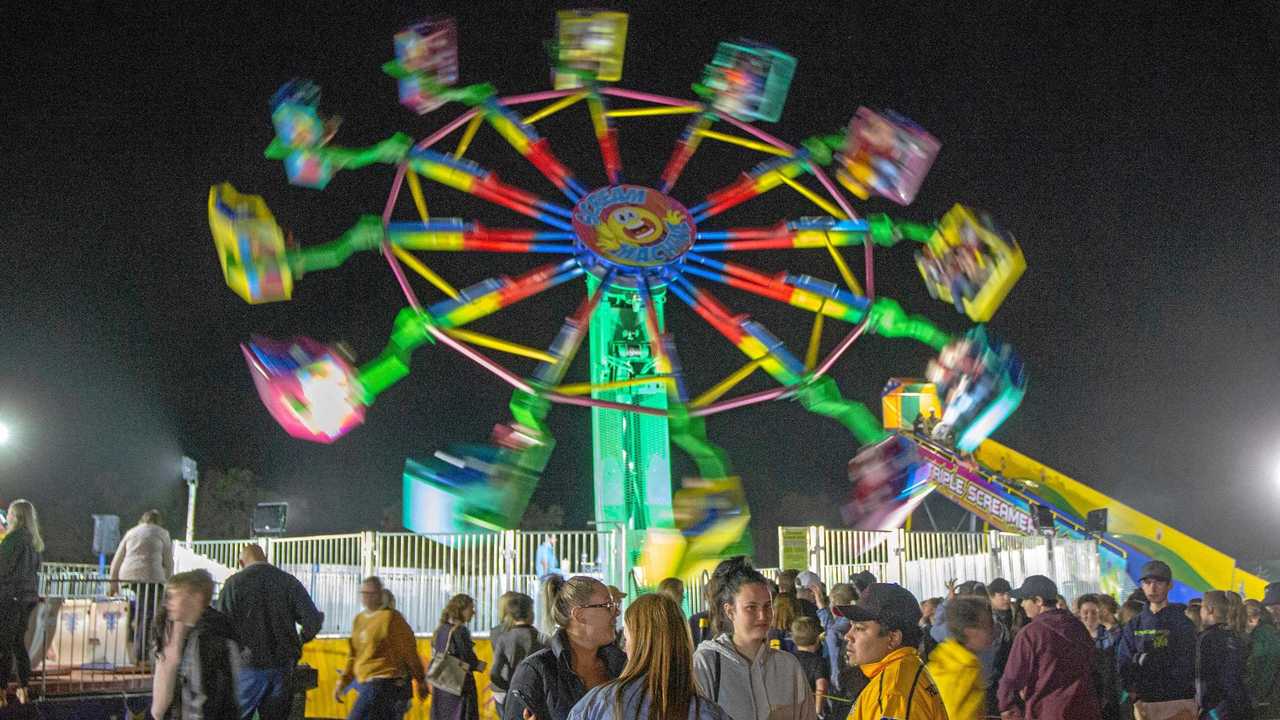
(19, 563)
(657, 682)
(453, 638)
(785, 610)
(581, 654)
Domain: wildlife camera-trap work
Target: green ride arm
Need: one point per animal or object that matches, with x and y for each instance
(365, 235)
(392, 364)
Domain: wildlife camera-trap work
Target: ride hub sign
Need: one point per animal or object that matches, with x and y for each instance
(970, 490)
(632, 227)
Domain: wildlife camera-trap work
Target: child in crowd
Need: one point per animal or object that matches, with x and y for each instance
(805, 634)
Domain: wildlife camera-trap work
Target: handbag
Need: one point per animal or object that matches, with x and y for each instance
(447, 672)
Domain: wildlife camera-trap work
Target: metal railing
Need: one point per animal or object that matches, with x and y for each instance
(423, 571)
(923, 562)
(90, 635)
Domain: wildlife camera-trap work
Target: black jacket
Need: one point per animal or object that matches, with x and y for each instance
(264, 603)
(509, 650)
(19, 563)
(546, 683)
(206, 688)
(1220, 688)
(1156, 655)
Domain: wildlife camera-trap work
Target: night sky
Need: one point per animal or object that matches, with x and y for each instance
(1134, 154)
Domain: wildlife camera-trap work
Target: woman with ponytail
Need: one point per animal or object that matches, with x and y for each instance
(738, 670)
(657, 682)
(582, 654)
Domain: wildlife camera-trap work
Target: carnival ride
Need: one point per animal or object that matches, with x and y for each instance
(1011, 492)
(633, 246)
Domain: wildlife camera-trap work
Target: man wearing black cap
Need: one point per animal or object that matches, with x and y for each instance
(1157, 652)
(1049, 675)
(882, 640)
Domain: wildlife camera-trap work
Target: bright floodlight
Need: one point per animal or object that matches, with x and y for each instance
(4, 434)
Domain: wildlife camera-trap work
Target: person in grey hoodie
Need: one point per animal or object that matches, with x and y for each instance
(738, 670)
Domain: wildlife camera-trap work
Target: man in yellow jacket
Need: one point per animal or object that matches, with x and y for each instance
(954, 664)
(882, 643)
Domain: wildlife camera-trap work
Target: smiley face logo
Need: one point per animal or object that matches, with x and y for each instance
(628, 226)
(634, 225)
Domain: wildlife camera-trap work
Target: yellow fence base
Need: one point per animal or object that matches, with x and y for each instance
(329, 656)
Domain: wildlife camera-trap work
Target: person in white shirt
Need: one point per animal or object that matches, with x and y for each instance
(144, 560)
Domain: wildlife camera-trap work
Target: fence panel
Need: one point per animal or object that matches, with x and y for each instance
(223, 552)
(1076, 567)
(87, 638)
(330, 568)
(845, 553)
(424, 571)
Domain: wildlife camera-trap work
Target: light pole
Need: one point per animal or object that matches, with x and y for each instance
(191, 474)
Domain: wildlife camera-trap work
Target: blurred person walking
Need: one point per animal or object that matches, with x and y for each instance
(1156, 655)
(657, 682)
(199, 661)
(382, 659)
(19, 564)
(580, 655)
(266, 605)
(738, 669)
(1049, 675)
(954, 663)
(144, 560)
(453, 638)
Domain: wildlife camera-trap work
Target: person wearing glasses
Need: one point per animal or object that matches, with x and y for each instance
(657, 681)
(581, 656)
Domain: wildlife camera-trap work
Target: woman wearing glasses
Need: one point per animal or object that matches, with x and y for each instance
(582, 654)
(658, 679)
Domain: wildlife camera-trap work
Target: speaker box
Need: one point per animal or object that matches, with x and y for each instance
(270, 518)
(1096, 521)
(1042, 517)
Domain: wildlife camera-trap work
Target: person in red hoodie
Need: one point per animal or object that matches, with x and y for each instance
(1049, 675)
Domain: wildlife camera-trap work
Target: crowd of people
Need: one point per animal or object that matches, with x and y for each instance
(761, 650)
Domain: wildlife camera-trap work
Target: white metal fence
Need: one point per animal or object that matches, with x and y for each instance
(423, 571)
(923, 562)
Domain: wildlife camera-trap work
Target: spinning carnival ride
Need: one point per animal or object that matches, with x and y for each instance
(634, 246)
